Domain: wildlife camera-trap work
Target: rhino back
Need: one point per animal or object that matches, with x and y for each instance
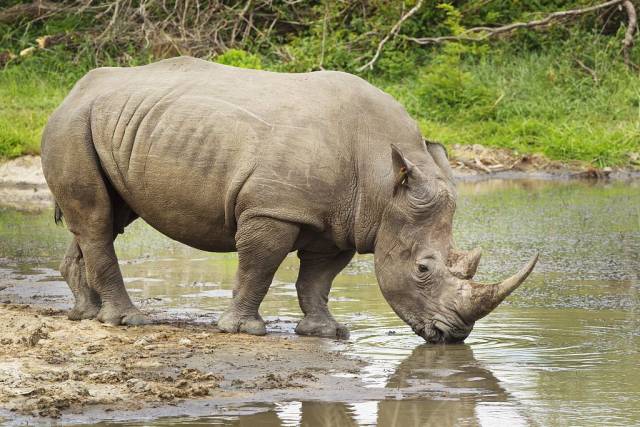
(194, 145)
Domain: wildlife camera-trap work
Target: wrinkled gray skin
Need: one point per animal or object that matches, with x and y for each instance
(226, 159)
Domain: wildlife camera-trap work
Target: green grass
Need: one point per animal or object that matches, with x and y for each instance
(28, 95)
(538, 102)
(534, 103)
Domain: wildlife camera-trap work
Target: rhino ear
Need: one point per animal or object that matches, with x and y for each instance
(440, 157)
(402, 168)
(400, 163)
(405, 173)
(436, 149)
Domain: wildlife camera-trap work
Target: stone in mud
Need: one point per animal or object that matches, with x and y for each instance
(94, 348)
(142, 342)
(52, 376)
(108, 377)
(137, 385)
(35, 335)
(51, 401)
(197, 375)
(274, 381)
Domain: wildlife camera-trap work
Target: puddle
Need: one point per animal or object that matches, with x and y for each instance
(563, 350)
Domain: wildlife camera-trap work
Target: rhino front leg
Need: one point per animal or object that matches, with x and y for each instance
(262, 244)
(87, 301)
(317, 271)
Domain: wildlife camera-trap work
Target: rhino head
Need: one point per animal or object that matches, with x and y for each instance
(428, 282)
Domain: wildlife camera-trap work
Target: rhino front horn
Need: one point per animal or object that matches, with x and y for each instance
(485, 298)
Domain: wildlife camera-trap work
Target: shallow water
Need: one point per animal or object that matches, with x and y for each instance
(563, 350)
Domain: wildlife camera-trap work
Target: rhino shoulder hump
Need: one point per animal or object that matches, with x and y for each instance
(179, 63)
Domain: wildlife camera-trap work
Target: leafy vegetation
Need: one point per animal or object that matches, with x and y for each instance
(563, 91)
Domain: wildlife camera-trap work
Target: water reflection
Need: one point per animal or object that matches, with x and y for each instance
(453, 366)
(464, 384)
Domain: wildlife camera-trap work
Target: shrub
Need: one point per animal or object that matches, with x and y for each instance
(240, 58)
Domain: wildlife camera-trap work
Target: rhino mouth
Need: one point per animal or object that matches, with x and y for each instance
(442, 332)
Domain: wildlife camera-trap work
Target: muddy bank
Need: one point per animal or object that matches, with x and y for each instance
(477, 162)
(55, 369)
(22, 184)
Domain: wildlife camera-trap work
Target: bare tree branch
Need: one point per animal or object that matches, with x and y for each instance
(27, 11)
(391, 35)
(632, 26)
(483, 33)
(324, 36)
(588, 70)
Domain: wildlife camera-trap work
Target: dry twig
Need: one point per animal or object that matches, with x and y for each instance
(27, 11)
(391, 35)
(632, 23)
(483, 33)
(588, 70)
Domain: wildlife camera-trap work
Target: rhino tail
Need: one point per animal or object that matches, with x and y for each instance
(57, 214)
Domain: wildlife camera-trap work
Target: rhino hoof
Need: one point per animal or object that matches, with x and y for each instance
(135, 319)
(322, 327)
(129, 317)
(232, 323)
(87, 311)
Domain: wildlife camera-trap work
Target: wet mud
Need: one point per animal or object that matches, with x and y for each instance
(54, 368)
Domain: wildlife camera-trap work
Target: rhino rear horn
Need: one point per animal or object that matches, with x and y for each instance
(466, 264)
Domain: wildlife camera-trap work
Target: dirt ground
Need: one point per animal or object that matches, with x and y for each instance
(22, 184)
(54, 369)
(480, 161)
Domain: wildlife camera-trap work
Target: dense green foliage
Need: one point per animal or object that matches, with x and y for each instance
(527, 91)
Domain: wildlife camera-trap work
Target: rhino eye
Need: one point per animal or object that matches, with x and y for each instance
(423, 268)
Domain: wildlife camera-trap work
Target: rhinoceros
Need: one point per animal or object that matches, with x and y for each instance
(226, 159)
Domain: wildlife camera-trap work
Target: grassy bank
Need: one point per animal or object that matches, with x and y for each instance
(28, 94)
(540, 103)
(564, 93)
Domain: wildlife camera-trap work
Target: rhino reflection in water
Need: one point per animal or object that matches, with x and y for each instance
(459, 385)
(226, 159)
(439, 385)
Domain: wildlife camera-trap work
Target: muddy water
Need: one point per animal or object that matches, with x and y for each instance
(564, 349)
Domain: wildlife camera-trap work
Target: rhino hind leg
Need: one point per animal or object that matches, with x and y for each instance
(87, 301)
(117, 308)
(262, 244)
(95, 215)
(317, 271)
